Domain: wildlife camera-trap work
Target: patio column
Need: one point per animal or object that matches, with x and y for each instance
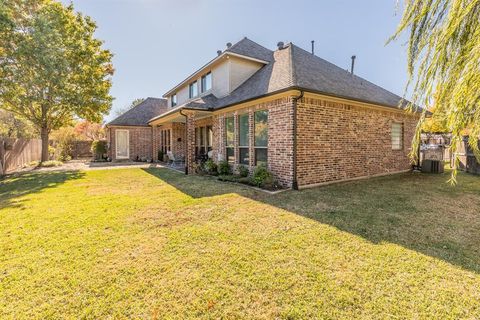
(190, 136)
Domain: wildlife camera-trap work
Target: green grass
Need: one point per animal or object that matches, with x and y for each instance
(155, 244)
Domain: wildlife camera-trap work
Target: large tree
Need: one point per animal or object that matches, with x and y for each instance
(52, 68)
(444, 64)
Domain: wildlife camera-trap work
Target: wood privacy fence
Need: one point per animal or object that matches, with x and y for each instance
(15, 153)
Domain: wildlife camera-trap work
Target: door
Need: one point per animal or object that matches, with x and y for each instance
(122, 144)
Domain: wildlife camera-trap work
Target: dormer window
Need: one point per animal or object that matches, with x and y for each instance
(207, 82)
(193, 90)
(174, 100)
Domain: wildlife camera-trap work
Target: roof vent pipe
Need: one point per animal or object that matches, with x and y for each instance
(280, 45)
(229, 44)
(353, 64)
(313, 46)
(219, 52)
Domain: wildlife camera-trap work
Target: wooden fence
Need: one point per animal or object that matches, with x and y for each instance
(15, 153)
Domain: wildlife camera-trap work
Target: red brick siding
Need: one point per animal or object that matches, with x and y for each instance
(140, 142)
(280, 137)
(338, 141)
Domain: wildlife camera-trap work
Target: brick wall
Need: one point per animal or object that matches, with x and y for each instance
(338, 141)
(280, 137)
(140, 142)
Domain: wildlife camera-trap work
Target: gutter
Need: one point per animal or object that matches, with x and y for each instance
(186, 140)
(295, 100)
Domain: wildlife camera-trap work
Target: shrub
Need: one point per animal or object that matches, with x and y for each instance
(51, 152)
(99, 149)
(64, 139)
(210, 167)
(51, 163)
(243, 171)
(223, 168)
(228, 178)
(262, 177)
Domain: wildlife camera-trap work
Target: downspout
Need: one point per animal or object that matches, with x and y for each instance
(186, 140)
(295, 100)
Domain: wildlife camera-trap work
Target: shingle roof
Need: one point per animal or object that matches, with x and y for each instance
(294, 68)
(141, 113)
(249, 48)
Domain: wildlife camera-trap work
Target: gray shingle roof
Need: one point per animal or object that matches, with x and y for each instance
(249, 48)
(141, 113)
(294, 68)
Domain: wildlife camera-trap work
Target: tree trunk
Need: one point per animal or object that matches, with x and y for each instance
(44, 137)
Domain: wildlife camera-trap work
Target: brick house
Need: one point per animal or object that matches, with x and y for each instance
(308, 120)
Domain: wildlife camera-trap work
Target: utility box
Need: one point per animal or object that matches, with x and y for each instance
(432, 166)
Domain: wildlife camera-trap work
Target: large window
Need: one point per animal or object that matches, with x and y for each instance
(207, 82)
(230, 139)
(243, 141)
(193, 89)
(209, 138)
(174, 100)
(397, 136)
(261, 137)
(166, 139)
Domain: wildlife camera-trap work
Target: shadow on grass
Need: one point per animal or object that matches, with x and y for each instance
(416, 211)
(17, 185)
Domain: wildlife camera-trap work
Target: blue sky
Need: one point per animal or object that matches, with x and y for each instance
(158, 43)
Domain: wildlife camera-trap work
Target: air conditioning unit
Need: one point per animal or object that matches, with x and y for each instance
(432, 166)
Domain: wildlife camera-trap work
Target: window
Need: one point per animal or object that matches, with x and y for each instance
(122, 144)
(397, 136)
(229, 139)
(165, 137)
(193, 89)
(209, 138)
(243, 141)
(207, 82)
(174, 100)
(261, 137)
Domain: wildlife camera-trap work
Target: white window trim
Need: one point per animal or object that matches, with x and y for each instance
(128, 144)
(395, 148)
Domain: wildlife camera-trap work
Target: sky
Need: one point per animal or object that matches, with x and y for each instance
(158, 43)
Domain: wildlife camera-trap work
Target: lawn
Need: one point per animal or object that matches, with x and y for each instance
(153, 243)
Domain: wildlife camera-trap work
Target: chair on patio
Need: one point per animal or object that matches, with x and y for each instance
(175, 161)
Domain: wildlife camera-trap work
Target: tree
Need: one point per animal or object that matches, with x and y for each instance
(12, 126)
(89, 130)
(52, 68)
(134, 103)
(444, 64)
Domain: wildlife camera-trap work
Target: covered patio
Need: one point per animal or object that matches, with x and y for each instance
(184, 134)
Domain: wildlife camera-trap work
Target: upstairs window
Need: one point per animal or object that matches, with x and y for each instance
(174, 100)
(261, 137)
(397, 136)
(207, 82)
(193, 89)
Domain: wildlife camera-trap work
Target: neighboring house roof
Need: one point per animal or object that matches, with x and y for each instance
(141, 113)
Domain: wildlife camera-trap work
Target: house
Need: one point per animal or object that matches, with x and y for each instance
(308, 120)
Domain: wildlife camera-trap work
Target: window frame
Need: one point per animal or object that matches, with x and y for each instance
(191, 87)
(246, 145)
(203, 82)
(117, 131)
(227, 145)
(399, 146)
(173, 100)
(255, 146)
